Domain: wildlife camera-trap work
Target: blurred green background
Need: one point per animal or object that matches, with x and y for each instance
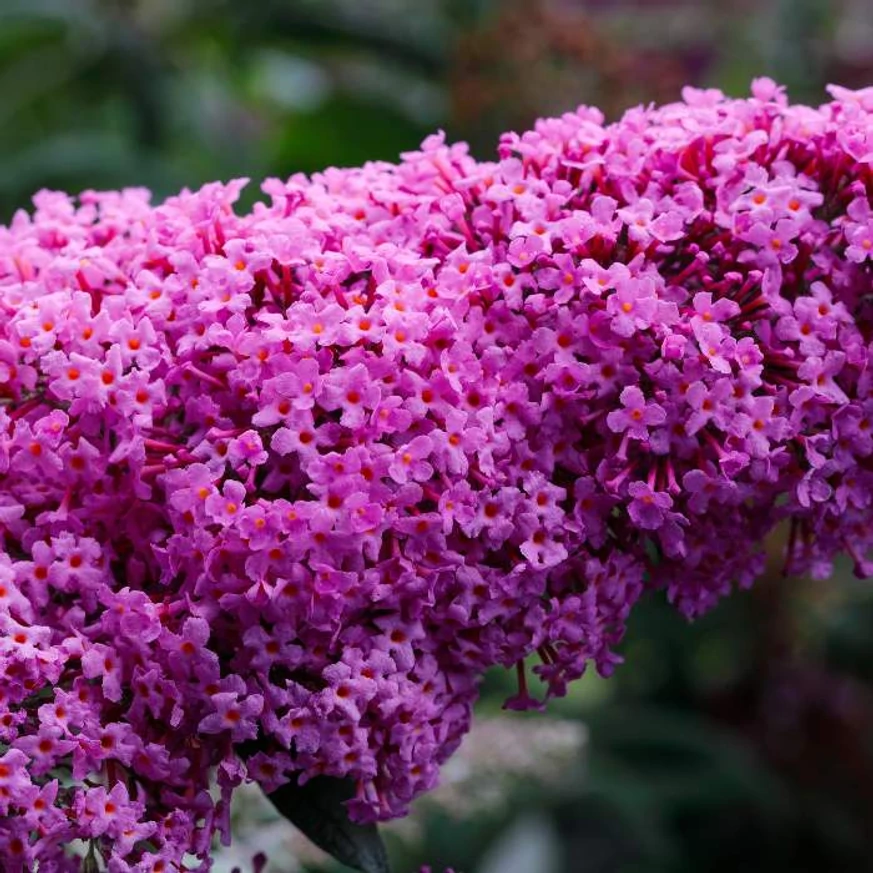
(742, 742)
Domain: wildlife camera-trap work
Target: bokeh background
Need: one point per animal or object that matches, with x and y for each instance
(743, 742)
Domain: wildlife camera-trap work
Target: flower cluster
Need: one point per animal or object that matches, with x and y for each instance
(277, 488)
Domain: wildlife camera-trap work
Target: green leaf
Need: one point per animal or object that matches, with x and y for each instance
(90, 864)
(317, 809)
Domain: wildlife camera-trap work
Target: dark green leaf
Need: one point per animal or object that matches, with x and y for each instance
(317, 809)
(90, 863)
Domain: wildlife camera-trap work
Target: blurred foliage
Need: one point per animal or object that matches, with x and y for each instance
(742, 742)
(166, 93)
(169, 93)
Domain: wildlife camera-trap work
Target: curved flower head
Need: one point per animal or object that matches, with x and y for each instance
(277, 488)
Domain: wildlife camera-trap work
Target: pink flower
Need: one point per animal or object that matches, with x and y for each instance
(238, 716)
(859, 232)
(648, 508)
(633, 306)
(637, 416)
(278, 488)
(410, 461)
(776, 242)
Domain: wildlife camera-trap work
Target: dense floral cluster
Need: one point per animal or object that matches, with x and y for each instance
(277, 488)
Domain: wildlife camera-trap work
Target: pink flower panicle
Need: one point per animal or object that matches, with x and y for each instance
(278, 488)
